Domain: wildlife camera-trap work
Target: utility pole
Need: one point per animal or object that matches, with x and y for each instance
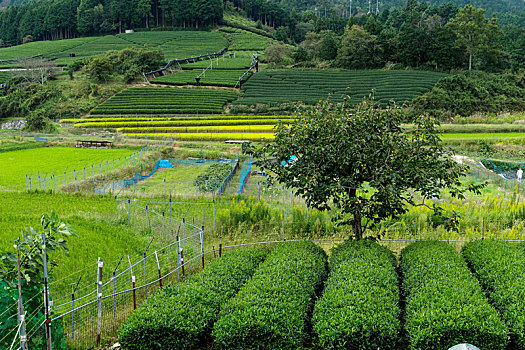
(377, 7)
(369, 7)
(350, 8)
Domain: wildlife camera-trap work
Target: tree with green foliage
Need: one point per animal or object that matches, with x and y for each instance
(359, 49)
(361, 162)
(474, 31)
(99, 68)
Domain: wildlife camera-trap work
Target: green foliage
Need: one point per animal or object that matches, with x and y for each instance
(359, 308)
(243, 40)
(213, 178)
(466, 94)
(20, 102)
(384, 165)
(445, 304)
(165, 101)
(99, 68)
(278, 87)
(359, 49)
(213, 77)
(131, 62)
(500, 268)
(272, 309)
(182, 316)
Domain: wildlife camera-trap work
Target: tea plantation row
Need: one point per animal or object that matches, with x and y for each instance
(165, 101)
(310, 86)
(212, 77)
(281, 304)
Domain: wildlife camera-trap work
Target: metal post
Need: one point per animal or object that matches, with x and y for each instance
(220, 244)
(133, 284)
(178, 258)
(115, 207)
(46, 295)
(283, 225)
(158, 267)
(39, 182)
(145, 278)
(163, 226)
(202, 246)
(214, 216)
(75, 177)
(183, 229)
(170, 208)
(147, 217)
(164, 187)
(84, 173)
(72, 315)
(29, 183)
(113, 277)
(65, 177)
(182, 259)
(129, 204)
(21, 313)
(99, 297)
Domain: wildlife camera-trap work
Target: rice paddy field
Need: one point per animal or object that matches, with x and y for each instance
(273, 87)
(16, 164)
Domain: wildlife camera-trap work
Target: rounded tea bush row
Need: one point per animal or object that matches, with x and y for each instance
(359, 308)
(182, 316)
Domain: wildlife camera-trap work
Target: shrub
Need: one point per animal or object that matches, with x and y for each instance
(500, 267)
(181, 316)
(271, 311)
(445, 304)
(360, 304)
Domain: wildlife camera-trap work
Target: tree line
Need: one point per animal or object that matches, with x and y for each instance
(417, 35)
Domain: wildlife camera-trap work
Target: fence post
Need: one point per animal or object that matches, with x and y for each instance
(164, 193)
(129, 204)
(30, 183)
(213, 216)
(183, 229)
(21, 313)
(26, 182)
(115, 207)
(202, 246)
(39, 182)
(220, 244)
(73, 315)
(145, 278)
(99, 297)
(133, 285)
(163, 226)
(75, 177)
(147, 217)
(170, 209)
(158, 267)
(46, 296)
(178, 258)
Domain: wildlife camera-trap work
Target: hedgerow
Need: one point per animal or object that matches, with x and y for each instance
(445, 304)
(182, 316)
(500, 267)
(359, 308)
(271, 310)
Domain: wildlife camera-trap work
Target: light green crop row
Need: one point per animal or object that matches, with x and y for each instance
(151, 119)
(201, 129)
(182, 123)
(211, 136)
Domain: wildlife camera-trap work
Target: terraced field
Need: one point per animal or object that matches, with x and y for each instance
(241, 60)
(165, 101)
(212, 77)
(244, 40)
(310, 86)
(174, 44)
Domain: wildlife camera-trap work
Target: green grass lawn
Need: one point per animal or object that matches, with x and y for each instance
(177, 181)
(16, 164)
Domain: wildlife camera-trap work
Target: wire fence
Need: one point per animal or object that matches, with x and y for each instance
(56, 180)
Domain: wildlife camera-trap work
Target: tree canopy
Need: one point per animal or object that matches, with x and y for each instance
(362, 162)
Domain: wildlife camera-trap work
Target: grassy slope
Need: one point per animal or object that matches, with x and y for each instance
(15, 165)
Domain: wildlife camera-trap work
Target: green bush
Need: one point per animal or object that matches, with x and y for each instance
(500, 267)
(213, 178)
(272, 310)
(445, 304)
(360, 304)
(181, 316)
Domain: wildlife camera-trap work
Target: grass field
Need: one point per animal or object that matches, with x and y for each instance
(212, 77)
(165, 101)
(15, 165)
(310, 86)
(174, 44)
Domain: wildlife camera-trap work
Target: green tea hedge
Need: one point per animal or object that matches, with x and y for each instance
(359, 308)
(182, 316)
(500, 267)
(272, 310)
(445, 305)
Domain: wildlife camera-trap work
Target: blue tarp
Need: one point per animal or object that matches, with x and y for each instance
(40, 139)
(164, 163)
(291, 160)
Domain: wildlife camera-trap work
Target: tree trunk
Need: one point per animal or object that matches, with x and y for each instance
(469, 62)
(356, 224)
